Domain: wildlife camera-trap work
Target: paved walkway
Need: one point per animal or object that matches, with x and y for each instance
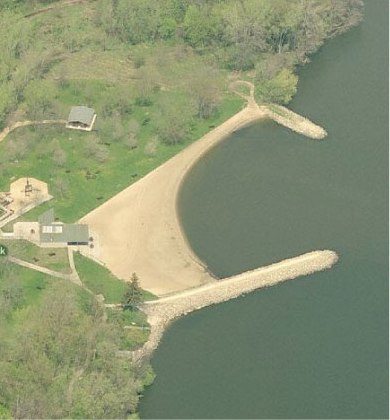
(73, 277)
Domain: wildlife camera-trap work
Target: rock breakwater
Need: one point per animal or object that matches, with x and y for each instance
(162, 311)
(295, 122)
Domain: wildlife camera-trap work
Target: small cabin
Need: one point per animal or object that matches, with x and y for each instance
(81, 118)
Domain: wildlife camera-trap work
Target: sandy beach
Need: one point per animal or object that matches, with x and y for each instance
(139, 230)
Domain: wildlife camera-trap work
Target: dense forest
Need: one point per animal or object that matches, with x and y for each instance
(157, 73)
(271, 37)
(59, 352)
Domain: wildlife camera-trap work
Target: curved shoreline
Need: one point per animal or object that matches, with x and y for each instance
(139, 229)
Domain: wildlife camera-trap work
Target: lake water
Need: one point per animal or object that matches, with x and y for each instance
(315, 347)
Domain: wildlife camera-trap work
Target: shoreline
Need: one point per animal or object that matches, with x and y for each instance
(139, 228)
(162, 312)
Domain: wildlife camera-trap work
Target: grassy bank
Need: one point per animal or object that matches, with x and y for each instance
(52, 258)
(101, 281)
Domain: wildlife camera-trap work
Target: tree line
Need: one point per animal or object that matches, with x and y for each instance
(271, 37)
(237, 32)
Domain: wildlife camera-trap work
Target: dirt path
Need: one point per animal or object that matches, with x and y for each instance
(234, 87)
(55, 6)
(71, 277)
(19, 124)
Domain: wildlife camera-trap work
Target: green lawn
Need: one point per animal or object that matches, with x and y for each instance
(24, 286)
(53, 258)
(32, 282)
(82, 182)
(101, 281)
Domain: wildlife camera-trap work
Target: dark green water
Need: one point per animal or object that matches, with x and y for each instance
(316, 347)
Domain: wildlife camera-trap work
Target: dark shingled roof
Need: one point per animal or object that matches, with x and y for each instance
(81, 114)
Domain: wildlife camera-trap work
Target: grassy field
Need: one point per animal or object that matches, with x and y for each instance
(32, 282)
(101, 281)
(85, 169)
(26, 286)
(53, 258)
(82, 182)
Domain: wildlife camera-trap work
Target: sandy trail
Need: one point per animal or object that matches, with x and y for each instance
(139, 229)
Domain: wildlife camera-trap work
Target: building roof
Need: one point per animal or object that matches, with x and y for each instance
(46, 218)
(59, 232)
(68, 234)
(81, 114)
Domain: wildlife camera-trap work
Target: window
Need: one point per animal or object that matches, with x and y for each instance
(57, 229)
(47, 229)
(52, 229)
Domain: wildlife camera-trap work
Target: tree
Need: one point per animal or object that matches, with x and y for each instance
(146, 85)
(280, 89)
(61, 187)
(202, 26)
(151, 147)
(62, 361)
(173, 119)
(205, 88)
(94, 150)
(16, 149)
(59, 157)
(39, 100)
(131, 140)
(11, 296)
(133, 294)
